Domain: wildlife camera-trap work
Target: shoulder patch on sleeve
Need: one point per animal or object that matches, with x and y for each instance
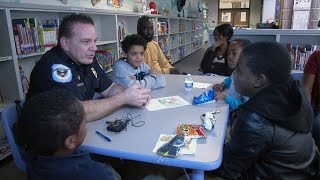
(61, 73)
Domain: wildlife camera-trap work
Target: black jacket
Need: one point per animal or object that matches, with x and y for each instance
(77, 166)
(270, 136)
(208, 66)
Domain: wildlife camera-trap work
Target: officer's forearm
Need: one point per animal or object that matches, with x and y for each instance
(112, 90)
(99, 108)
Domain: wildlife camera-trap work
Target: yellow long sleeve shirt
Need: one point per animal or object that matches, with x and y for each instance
(154, 57)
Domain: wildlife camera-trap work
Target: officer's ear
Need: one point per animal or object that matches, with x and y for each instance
(64, 43)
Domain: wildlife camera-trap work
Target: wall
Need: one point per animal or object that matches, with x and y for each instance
(212, 13)
(268, 12)
(255, 13)
(126, 6)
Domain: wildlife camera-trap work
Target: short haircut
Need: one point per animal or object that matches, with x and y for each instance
(141, 22)
(47, 119)
(242, 42)
(269, 58)
(131, 40)
(65, 28)
(225, 29)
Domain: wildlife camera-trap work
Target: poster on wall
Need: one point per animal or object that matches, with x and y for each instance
(226, 17)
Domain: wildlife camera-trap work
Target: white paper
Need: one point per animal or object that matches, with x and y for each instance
(166, 102)
(190, 148)
(201, 85)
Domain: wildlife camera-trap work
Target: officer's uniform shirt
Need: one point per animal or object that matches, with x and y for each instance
(56, 70)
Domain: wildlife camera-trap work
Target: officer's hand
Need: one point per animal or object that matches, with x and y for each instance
(218, 87)
(136, 95)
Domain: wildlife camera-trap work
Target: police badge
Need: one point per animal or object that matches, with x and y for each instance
(61, 73)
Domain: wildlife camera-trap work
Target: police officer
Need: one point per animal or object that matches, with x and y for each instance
(71, 65)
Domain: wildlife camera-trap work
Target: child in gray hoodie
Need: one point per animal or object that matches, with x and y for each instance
(131, 69)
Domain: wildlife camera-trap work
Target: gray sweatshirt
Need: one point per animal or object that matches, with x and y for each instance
(126, 75)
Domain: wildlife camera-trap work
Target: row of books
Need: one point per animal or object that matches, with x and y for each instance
(300, 55)
(5, 150)
(182, 52)
(122, 31)
(174, 41)
(162, 28)
(24, 82)
(32, 36)
(164, 44)
(106, 58)
(181, 26)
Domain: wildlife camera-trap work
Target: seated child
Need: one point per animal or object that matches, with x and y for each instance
(51, 126)
(234, 99)
(132, 69)
(215, 58)
(271, 132)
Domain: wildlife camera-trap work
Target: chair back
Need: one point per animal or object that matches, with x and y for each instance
(9, 117)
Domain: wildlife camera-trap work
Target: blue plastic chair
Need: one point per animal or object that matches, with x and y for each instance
(9, 117)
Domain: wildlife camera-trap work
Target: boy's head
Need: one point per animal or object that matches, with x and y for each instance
(260, 65)
(145, 28)
(134, 46)
(223, 32)
(234, 51)
(52, 122)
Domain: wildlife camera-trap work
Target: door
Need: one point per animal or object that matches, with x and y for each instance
(237, 18)
(235, 12)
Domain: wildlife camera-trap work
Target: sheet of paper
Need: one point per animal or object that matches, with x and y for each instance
(201, 85)
(190, 148)
(166, 102)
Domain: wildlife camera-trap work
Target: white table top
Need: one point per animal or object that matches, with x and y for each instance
(136, 143)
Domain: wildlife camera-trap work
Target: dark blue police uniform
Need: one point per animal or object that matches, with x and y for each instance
(56, 70)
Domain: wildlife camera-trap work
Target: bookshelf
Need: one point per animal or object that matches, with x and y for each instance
(111, 27)
(301, 42)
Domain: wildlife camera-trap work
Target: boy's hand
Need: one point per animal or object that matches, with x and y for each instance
(216, 45)
(220, 96)
(154, 71)
(218, 87)
(174, 71)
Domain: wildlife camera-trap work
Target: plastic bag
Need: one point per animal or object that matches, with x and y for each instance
(205, 97)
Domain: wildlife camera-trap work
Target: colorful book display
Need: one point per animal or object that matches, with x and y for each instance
(24, 81)
(106, 59)
(300, 55)
(31, 36)
(162, 28)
